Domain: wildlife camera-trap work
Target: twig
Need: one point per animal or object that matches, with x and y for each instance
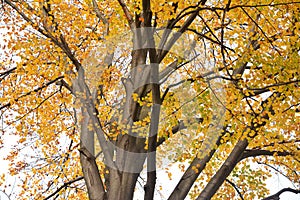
(236, 188)
(64, 186)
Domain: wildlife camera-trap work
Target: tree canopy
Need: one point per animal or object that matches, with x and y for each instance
(101, 94)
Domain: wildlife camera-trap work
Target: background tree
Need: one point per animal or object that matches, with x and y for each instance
(211, 85)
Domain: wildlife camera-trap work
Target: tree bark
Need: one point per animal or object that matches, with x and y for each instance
(92, 176)
(191, 174)
(218, 179)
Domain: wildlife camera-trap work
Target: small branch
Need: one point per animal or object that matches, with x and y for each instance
(281, 142)
(66, 85)
(30, 92)
(210, 31)
(98, 12)
(163, 52)
(235, 187)
(7, 72)
(266, 88)
(276, 196)
(65, 47)
(262, 5)
(276, 170)
(127, 13)
(175, 129)
(101, 16)
(256, 24)
(63, 44)
(292, 106)
(26, 18)
(7, 195)
(64, 186)
(190, 80)
(203, 35)
(35, 108)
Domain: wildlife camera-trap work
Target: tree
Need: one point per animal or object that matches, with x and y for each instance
(102, 93)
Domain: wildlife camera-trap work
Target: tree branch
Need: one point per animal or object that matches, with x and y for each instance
(266, 88)
(191, 174)
(259, 152)
(98, 12)
(256, 24)
(101, 16)
(262, 5)
(156, 106)
(30, 92)
(236, 188)
(175, 129)
(217, 180)
(235, 156)
(127, 14)
(66, 184)
(4, 74)
(163, 51)
(276, 196)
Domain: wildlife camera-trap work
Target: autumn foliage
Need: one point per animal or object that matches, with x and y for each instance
(101, 94)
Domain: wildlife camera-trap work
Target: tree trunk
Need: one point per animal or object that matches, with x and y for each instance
(130, 157)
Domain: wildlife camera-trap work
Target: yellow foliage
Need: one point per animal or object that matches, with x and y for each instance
(235, 78)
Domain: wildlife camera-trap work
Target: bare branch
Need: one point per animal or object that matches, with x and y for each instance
(256, 24)
(26, 18)
(235, 187)
(203, 35)
(263, 5)
(4, 74)
(163, 51)
(266, 88)
(276, 196)
(35, 108)
(66, 85)
(259, 152)
(66, 184)
(175, 129)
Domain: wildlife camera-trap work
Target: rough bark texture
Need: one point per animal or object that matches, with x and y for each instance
(92, 176)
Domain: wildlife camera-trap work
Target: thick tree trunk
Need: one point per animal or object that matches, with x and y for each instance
(130, 157)
(92, 176)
